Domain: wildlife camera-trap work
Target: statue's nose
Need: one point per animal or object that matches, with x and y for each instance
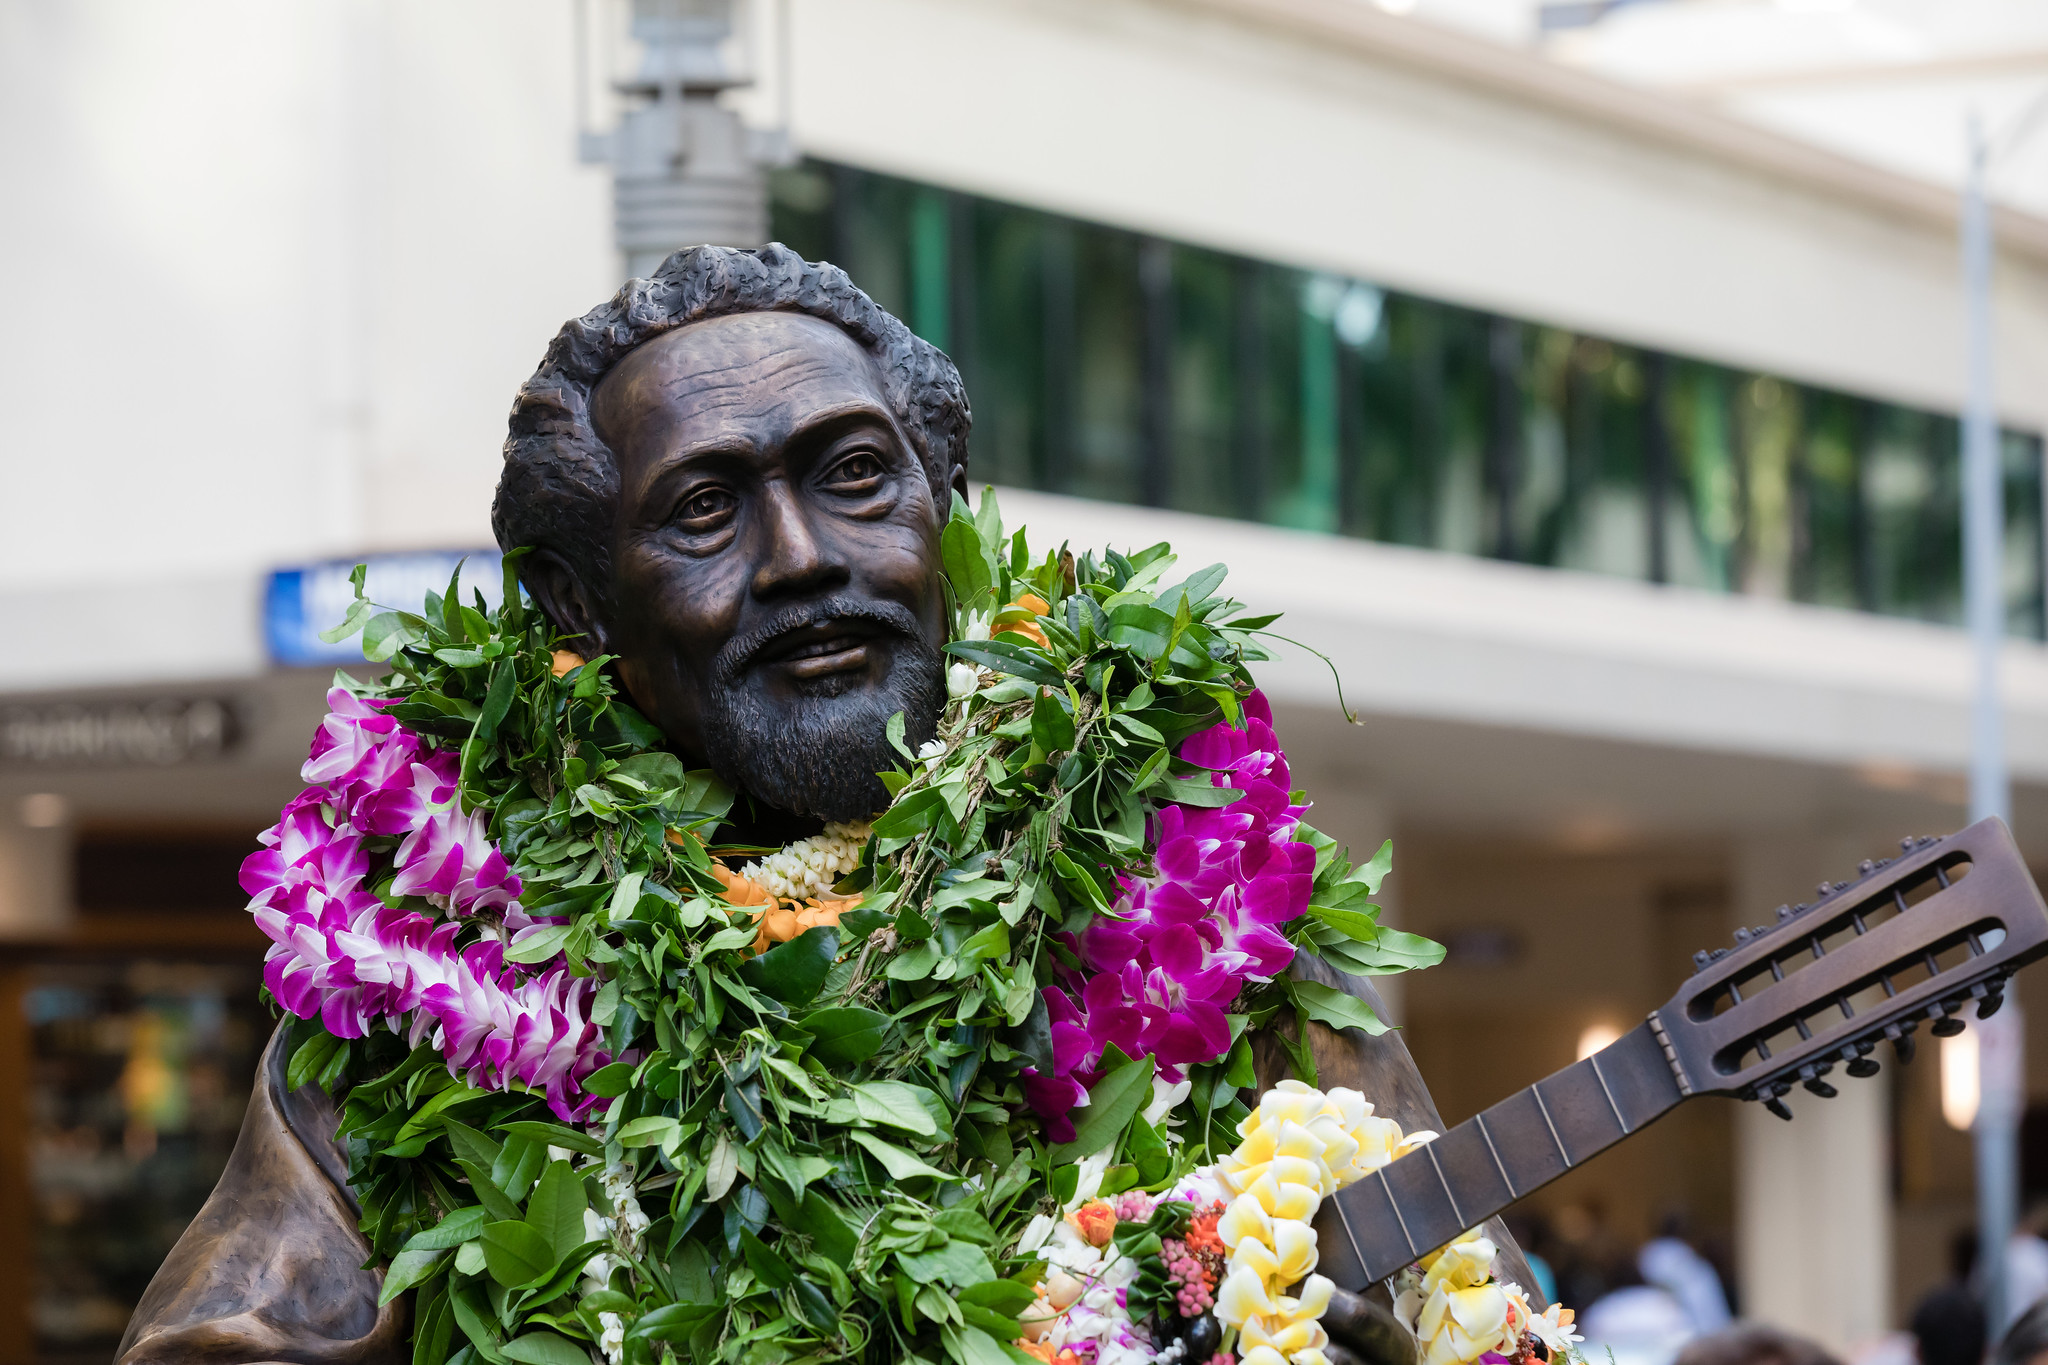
(794, 558)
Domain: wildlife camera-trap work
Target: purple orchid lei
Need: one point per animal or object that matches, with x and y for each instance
(1158, 980)
(342, 953)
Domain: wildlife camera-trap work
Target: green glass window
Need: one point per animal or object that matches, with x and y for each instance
(1106, 364)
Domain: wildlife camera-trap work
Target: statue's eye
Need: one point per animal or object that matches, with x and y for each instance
(704, 508)
(857, 473)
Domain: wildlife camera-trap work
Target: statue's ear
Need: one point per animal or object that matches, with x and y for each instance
(567, 601)
(959, 481)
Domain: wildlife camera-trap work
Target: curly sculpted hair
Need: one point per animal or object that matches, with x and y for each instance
(560, 485)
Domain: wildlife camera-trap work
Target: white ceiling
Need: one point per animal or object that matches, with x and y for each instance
(1891, 82)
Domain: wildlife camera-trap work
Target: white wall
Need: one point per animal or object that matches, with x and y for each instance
(271, 274)
(1325, 133)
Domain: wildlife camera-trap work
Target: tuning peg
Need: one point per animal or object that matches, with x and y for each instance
(1810, 1078)
(1947, 1025)
(1901, 1035)
(1993, 997)
(1863, 1068)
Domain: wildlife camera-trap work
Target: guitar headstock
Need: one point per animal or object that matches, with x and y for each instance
(1912, 939)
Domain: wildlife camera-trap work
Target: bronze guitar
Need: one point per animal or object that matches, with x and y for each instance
(1912, 940)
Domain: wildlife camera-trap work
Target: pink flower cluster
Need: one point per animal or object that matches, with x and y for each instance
(1158, 980)
(1193, 1295)
(339, 952)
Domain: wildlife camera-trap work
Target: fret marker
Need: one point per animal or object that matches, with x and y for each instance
(1430, 1147)
(1494, 1151)
(1392, 1203)
(1602, 1076)
(1344, 1220)
(1537, 1091)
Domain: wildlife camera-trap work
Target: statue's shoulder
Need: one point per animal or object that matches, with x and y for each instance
(271, 1268)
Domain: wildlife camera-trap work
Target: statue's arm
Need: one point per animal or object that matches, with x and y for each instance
(1361, 1328)
(272, 1268)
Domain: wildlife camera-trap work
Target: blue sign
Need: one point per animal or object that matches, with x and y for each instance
(301, 602)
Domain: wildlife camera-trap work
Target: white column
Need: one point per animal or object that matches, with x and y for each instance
(1812, 1197)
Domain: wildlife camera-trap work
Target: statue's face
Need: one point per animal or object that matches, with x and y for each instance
(775, 592)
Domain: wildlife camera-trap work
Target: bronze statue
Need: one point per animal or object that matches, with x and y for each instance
(736, 474)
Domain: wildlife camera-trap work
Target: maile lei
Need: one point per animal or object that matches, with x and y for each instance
(968, 1084)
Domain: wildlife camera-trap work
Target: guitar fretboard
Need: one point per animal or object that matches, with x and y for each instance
(1411, 1207)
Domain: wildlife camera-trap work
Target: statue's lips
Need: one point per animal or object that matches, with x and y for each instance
(816, 651)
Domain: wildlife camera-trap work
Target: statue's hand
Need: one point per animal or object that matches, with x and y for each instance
(1364, 1333)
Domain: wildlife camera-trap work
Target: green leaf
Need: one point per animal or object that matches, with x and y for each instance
(409, 1268)
(1008, 1297)
(911, 815)
(1375, 872)
(1351, 923)
(358, 612)
(1326, 1005)
(897, 1162)
(671, 1322)
(766, 1263)
(1052, 728)
(557, 1134)
(608, 1083)
(845, 1036)
(720, 1170)
(452, 1231)
(497, 701)
(967, 562)
(555, 1210)
(828, 1229)
(792, 972)
(1145, 631)
(1389, 951)
(310, 1058)
(954, 1263)
(813, 1306)
(1112, 1103)
(386, 634)
(545, 1348)
(1007, 656)
(515, 1254)
(893, 1103)
(651, 1131)
(743, 1103)
(625, 896)
(487, 1191)
(1195, 791)
(541, 944)
(894, 730)
(972, 1346)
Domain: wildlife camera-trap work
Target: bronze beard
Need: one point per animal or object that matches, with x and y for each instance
(820, 756)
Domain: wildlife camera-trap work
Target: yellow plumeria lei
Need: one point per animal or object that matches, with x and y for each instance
(1299, 1147)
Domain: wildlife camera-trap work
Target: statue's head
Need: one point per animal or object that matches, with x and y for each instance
(734, 476)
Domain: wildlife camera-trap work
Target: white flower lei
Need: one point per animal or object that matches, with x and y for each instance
(810, 867)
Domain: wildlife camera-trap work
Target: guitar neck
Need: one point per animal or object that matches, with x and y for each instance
(1412, 1206)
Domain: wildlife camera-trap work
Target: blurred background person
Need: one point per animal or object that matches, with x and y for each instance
(1753, 1345)
(1670, 1262)
(1947, 1324)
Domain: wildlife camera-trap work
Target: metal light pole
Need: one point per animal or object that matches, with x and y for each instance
(686, 170)
(2001, 1041)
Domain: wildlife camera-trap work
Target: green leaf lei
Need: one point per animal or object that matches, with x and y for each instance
(821, 1152)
